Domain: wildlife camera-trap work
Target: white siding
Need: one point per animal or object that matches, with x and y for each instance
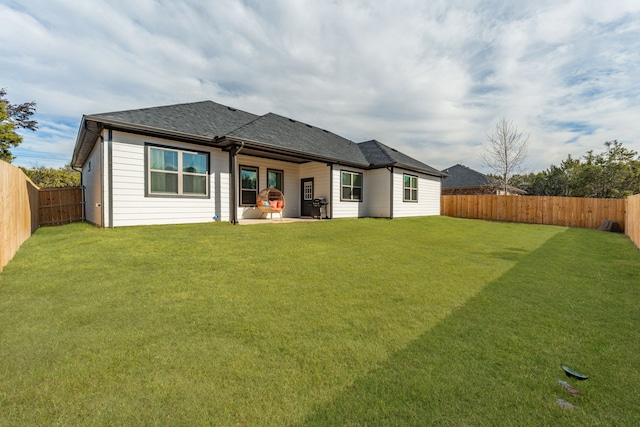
(377, 193)
(346, 209)
(92, 180)
(428, 195)
(131, 207)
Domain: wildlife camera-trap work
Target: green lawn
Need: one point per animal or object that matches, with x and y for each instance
(425, 321)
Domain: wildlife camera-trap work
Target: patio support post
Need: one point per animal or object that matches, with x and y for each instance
(233, 170)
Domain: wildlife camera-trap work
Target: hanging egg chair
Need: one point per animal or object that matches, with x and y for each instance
(270, 201)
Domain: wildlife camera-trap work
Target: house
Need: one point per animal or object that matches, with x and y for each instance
(204, 161)
(464, 180)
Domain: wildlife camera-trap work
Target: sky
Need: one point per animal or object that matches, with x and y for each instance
(429, 78)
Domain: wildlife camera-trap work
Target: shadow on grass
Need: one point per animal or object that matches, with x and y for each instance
(496, 360)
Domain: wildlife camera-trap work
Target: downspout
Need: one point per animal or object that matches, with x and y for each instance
(331, 191)
(390, 169)
(233, 166)
(110, 175)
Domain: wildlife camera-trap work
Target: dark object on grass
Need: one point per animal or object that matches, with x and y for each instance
(564, 404)
(565, 385)
(609, 225)
(574, 374)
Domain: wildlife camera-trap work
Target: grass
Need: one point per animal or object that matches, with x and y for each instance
(425, 321)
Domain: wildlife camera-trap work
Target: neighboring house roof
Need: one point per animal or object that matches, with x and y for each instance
(212, 124)
(460, 176)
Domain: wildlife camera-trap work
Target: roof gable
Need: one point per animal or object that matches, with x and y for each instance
(381, 155)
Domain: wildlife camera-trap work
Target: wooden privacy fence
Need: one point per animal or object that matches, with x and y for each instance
(24, 207)
(61, 205)
(563, 211)
(18, 210)
(632, 228)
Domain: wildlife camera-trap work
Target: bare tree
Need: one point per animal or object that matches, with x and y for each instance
(505, 150)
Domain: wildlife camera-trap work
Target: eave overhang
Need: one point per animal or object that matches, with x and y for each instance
(261, 149)
(411, 168)
(92, 126)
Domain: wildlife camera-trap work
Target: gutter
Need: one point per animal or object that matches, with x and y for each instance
(411, 168)
(252, 144)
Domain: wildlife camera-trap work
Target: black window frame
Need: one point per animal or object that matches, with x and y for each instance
(342, 186)
(242, 190)
(281, 172)
(410, 188)
(180, 173)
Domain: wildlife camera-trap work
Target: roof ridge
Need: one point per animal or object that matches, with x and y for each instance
(382, 147)
(308, 125)
(180, 104)
(150, 108)
(246, 124)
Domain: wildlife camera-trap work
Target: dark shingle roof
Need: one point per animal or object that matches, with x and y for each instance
(282, 132)
(381, 155)
(461, 176)
(206, 118)
(209, 123)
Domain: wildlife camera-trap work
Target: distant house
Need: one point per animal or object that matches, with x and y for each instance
(464, 180)
(204, 161)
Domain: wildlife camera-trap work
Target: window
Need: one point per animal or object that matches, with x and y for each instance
(177, 172)
(275, 179)
(410, 188)
(351, 184)
(248, 186)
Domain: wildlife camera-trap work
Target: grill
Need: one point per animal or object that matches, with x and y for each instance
(318, 206)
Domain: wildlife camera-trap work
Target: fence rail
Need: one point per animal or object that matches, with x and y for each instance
(564, 211)
(18, 210)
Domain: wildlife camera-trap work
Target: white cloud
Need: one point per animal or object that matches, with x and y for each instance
(430, 78)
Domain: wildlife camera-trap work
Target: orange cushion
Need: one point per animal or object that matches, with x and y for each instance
(280, 204)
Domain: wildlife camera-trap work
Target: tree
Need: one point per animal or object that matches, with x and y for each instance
(614, 173)
(505, 151)
(12, 117)
(50, 177)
